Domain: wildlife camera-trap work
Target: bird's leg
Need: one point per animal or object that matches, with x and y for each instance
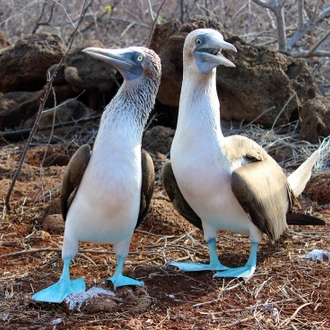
(64, 287)
(245, 271)
(214, 264)
(118, 279)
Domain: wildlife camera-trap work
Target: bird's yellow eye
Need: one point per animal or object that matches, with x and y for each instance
(198, 41)
(140, 58)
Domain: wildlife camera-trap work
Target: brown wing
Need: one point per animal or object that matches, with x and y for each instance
(177, 198)
(148, 182)
(72, 176)
(240, 147)
(264, 193)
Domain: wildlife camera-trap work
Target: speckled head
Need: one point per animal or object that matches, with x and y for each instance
(203, 47)
(132, 62)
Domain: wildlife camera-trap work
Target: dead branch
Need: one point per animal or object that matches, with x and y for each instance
(300, 14)
(80, 251)
(38, 23)
(154, 20)
(277, 7)
(129, 21)
(99, 19)
(265, 4)
(317, 53)
(306, 28)
(25, 132)
(18, 253)
(82, 15)
(48, 89)
(314, 49)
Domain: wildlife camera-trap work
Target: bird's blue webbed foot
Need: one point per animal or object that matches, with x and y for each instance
(214, 264)
(196, 266)
(59, 291)
(244, 271)
(118, 279)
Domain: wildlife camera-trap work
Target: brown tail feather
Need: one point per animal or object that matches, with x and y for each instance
(303, 219)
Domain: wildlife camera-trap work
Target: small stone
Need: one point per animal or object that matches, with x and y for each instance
(43, 235)
(149, 322)
(53, 223)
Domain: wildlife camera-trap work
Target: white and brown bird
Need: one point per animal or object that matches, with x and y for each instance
(224, 183)
(106, 193)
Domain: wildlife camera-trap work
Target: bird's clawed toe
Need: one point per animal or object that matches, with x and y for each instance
(121, 280)
(57, 292)
(197, 267)
(244, 271)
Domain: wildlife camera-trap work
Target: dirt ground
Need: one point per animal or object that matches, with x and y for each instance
(287, 291)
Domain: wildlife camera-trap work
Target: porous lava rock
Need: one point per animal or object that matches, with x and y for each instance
(266, 86)
(95, 77)
(315, 119)
(24, 65)
(17, 107)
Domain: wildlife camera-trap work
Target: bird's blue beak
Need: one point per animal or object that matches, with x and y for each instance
(122, 59)
(208, 54)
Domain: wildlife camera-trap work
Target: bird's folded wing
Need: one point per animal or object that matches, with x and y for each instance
(72, 177)
(176, 197)
(264, 193)
(237, 147)
(148, 182)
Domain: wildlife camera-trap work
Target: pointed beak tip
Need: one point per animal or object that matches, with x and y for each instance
(232, 47)
(86, 50)
(91, 50)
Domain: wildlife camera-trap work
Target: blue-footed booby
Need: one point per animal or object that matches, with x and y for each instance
(224, 183)
(111, 185)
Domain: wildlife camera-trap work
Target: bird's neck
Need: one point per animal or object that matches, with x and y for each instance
(126, 115)
(199, 104)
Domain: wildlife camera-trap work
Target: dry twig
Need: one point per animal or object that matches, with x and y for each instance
(41, 107)
(154, 21)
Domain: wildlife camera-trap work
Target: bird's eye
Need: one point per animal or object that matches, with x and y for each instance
(198, 41)
(140, 58)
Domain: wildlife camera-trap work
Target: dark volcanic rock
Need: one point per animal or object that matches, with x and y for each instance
(16, 107)
(315, 117)
(263, 79)
(68, 111)
(134, 301)
(54, 224)
(319, 186)
(96, 77)
(158, 139)
(168, 44)
(23, 66)
(66, 114)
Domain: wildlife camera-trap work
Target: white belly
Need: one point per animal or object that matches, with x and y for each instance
(106, 206)
(203, 177)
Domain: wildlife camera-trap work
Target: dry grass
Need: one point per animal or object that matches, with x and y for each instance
(283, 144)
(286, 292)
